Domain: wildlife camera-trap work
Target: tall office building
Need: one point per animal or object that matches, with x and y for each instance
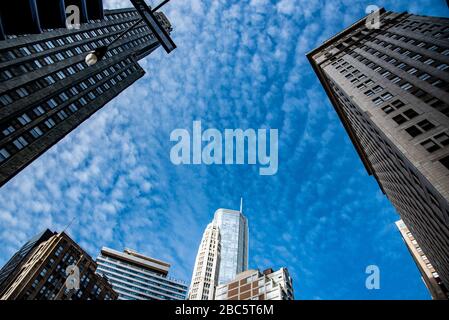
(207, 265)
(12, 267)
(138, 277)
(233, 227)
(46, 88)
(389, 87)
(254, 285)
(222, 254)
(429, 275)
(42, 274)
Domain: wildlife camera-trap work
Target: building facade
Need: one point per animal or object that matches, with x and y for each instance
(429, 275)
(233, 227)
(254, 285)
(43, 274)
(47, 89)
(13, 266)
(390, 89)
(138, 277)
(207, 265)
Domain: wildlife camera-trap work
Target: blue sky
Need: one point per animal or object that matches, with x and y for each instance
(239, 64)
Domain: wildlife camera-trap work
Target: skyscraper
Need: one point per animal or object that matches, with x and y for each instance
(43, 273)
(233, 227)
(429, 275)
(207, 265)
(138, 277)
(46, 88)
(254, 285)
(222, 254)
(13, 266)
(389, 87)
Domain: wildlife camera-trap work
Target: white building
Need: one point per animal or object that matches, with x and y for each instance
(207, 263)
(137, 277)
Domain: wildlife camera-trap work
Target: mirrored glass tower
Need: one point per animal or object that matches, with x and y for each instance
(233, 227)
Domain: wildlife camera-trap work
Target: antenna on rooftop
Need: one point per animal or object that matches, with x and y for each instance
(241, 204)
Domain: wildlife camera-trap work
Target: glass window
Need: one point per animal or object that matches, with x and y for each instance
(4, 154)
(20, 143)
(36, 132)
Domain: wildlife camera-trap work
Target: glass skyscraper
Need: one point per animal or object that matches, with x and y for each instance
(46, 87)
(138, 277)
(233, 227)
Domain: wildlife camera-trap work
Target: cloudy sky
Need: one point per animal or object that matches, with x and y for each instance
(239, 64)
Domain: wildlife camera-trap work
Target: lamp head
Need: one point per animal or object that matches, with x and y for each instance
(94, 56)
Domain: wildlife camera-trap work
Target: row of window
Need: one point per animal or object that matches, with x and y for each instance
(33, 86)
(11, 54)
(380, 160)
(32, 65)
(49, 122)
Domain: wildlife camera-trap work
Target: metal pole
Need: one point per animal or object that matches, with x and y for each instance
(126, 31)
(160, 5)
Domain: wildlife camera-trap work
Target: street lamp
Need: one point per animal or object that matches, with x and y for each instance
(96, 55)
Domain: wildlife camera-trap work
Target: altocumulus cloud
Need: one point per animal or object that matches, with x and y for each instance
(239, 64)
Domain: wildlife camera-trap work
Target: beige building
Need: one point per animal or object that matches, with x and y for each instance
(390, 88)
(430, 277)
(43, 275)
(254, 285)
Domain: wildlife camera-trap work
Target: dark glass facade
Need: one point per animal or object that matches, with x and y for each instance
(47, 89)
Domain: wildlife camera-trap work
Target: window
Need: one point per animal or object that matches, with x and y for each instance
(396, 80)
(4, 154)
(36, 132)
(24, 119)
(52, 103)
(406, 86)
(429, 61)
(386, 96)
(49, 123)
(413, 131)
(442, 138)
(412, 70)
(20, 143)
(73, 107)
(49, 80)
(378, 101)
(8, 131)
(430, 145)
(22, 92)
(60, 74)
(424, 76)
(399, 119)
(388, 109)
(62, 115)
(444, 161)
(410, 113)
(39, 111)
(377, 89)
(426, 125)
(5, 99)
(443, 66)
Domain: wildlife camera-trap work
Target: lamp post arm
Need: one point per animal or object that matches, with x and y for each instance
(135, 24)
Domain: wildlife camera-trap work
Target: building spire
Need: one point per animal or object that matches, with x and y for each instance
(241, 205)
